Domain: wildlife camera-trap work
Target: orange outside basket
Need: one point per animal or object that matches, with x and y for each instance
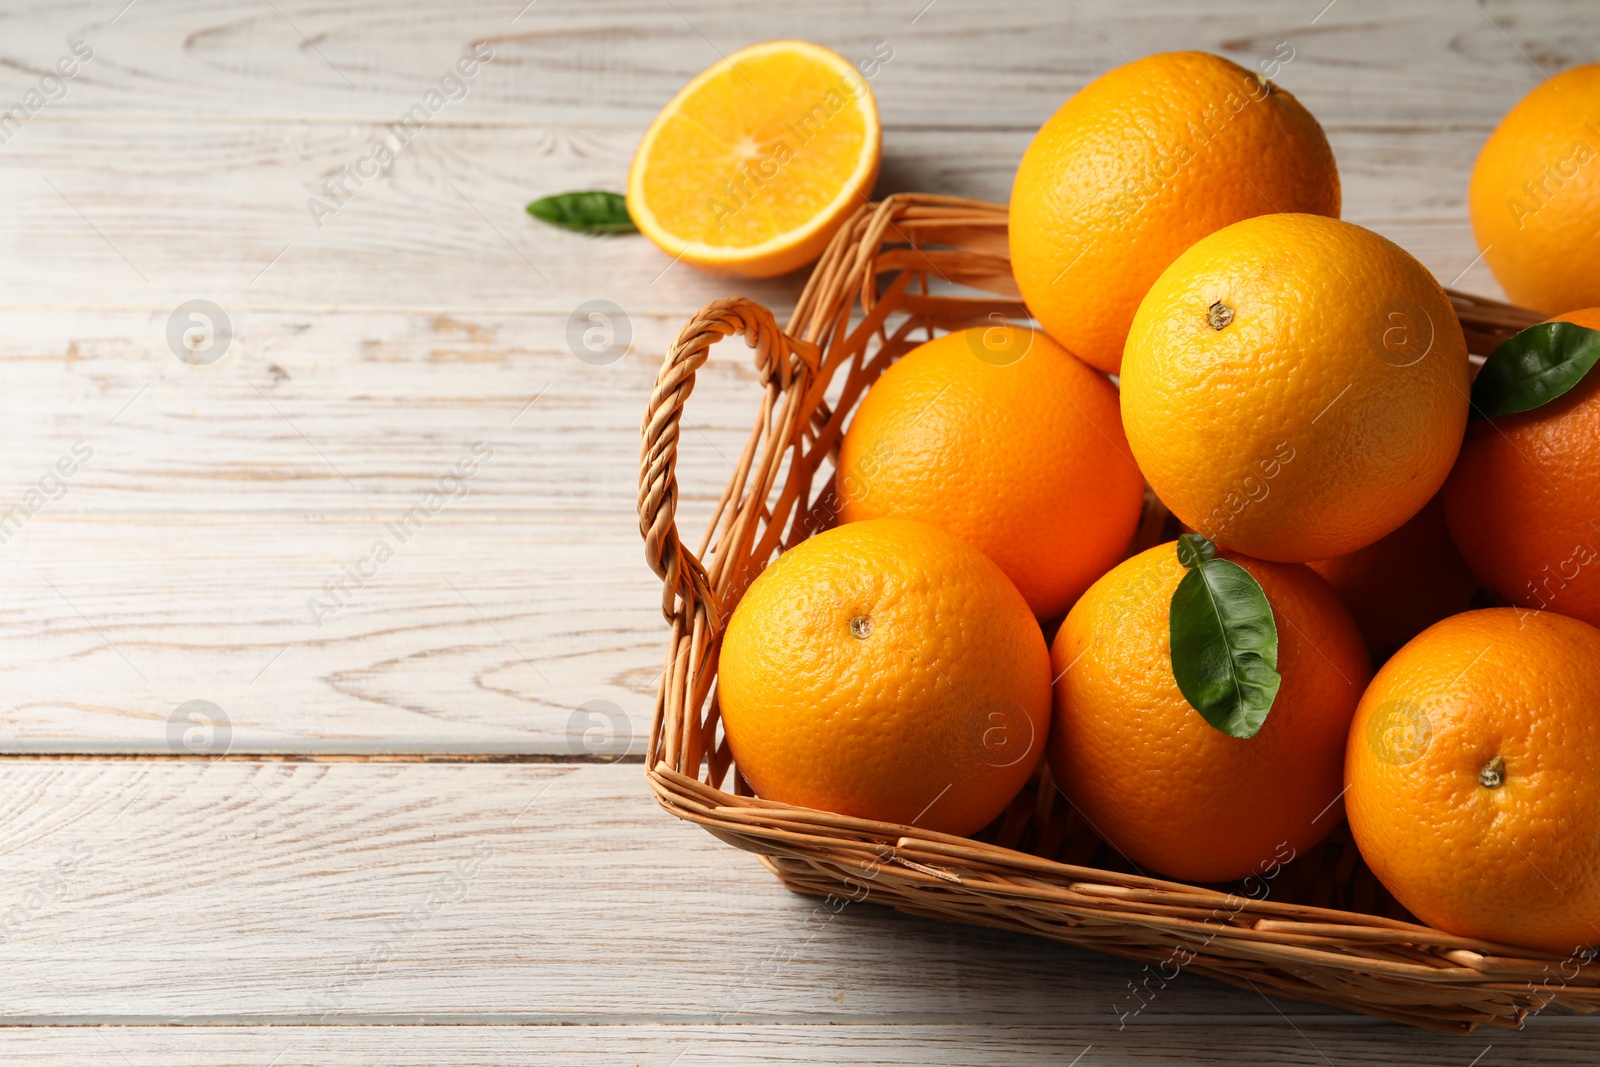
(1320, 929)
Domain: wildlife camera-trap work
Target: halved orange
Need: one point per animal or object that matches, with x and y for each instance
(757, 161)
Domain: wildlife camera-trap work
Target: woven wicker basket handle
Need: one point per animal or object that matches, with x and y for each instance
(779, 359)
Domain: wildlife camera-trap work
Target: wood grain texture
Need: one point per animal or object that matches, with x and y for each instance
(195, 541)
(291, 891)
(571, 64)
(559, 899)
(1260, 1043)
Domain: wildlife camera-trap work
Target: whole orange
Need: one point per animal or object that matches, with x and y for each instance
(1295, 387)
(1137, 166)
(886, 670)
(1535, 194)
(1523, 502)
(1003, 438)
(1471, 771)
(1168, 790)
(1399, 586)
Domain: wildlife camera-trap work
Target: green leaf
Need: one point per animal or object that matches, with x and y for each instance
(1533, 367)
(1194, 549)
(590, 211)
(1224, 642)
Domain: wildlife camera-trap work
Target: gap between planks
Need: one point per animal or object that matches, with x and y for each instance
(1347, 1021)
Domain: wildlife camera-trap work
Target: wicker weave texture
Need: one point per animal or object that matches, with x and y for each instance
(1319, 928)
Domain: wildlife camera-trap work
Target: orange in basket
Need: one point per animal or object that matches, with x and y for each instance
(1523, 502)
(886, 669)
(1169, 790)
(1010, 442)
(1295, 387)
(1471, 773)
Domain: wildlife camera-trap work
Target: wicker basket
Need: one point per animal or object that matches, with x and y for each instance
(1319, 929)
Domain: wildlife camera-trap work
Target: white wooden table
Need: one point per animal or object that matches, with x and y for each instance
(430, 841)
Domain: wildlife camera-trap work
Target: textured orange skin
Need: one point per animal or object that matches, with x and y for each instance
(1397, 587)
(1523, 502)
(897, 726)
(1026, 461)
(1158, 782)
(1137, 166)
(1518, 864)
(1535, 195)
(1324, 415)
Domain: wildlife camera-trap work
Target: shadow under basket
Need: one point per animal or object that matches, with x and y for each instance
(1320, 928)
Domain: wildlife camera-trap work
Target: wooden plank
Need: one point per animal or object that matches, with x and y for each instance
(953, 64)
(517, 592)
(240, 894)
(298, 891)
(176, 210)
(1266, 1041)
(319, 413)
(483, 634)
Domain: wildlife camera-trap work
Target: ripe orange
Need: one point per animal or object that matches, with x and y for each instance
(1006, 440)
(1137, 166)
(1523, 502)
(1535, 194)
(886, 670)
(1399, 586)
(755, 163)
(1472, 792)
(1164, 787)
(1295, 387)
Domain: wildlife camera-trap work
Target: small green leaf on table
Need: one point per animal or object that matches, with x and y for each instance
(1533, 367)
(589, 211)
(1224, 640)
